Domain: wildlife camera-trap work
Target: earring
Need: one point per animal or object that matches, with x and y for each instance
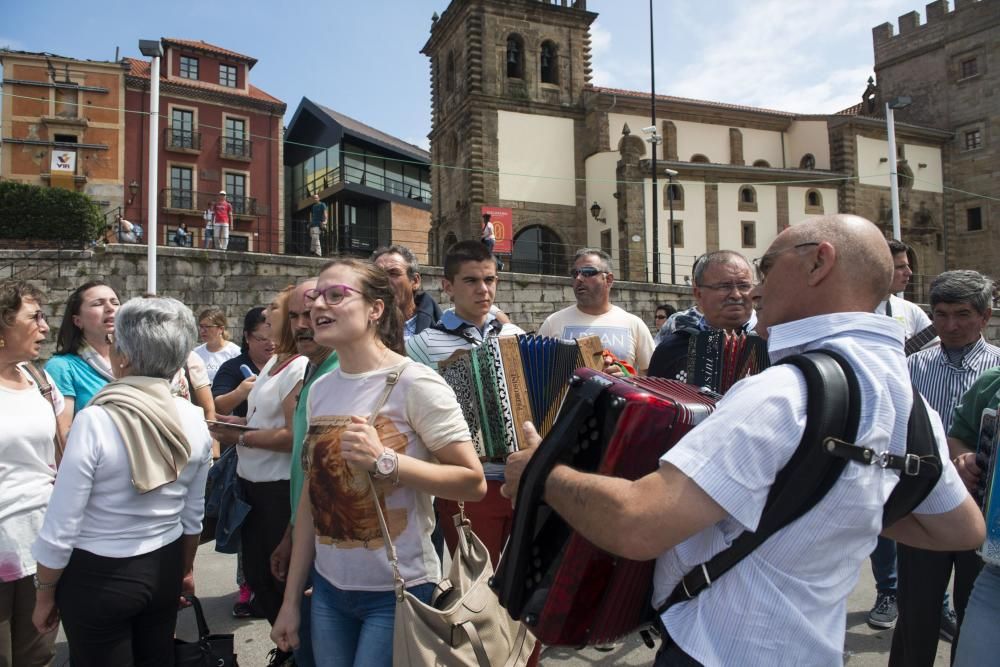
(3, 343)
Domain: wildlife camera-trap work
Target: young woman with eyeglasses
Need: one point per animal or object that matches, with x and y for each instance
(216, 348)
(417, 447)
(231, 387)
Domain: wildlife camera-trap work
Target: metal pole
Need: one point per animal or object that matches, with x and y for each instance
(670, 201)
(893, 176)
(656, 201)
(154, 145)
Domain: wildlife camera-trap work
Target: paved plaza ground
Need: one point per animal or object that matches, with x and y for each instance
(216, 586)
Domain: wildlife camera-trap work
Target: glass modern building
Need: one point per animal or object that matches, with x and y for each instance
(376, 187)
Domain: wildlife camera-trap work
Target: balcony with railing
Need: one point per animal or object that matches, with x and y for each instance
(189, 202)
(235, 148)
(181, 140)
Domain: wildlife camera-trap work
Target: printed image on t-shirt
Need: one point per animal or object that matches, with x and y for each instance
(340, 495)
(616, 339)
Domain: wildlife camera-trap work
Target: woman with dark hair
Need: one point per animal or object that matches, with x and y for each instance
(417, 446)
(27, 471)
(122, 527)
(230, 387)
(81, 365)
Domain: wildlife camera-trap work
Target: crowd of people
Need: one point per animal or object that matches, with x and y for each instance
(331, 401)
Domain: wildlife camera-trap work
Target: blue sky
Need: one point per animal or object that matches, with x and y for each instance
(363, 58)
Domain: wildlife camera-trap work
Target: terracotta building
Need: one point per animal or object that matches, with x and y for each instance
(518, 127)
(218, 132)
(65, 111)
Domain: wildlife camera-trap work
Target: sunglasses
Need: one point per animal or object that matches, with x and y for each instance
(332, 294)
(586, 272)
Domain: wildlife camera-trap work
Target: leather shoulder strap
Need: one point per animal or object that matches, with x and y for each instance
(41, 380)
(914, 487)
(833, 408)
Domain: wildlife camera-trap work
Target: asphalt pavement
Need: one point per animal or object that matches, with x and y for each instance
(215, 575)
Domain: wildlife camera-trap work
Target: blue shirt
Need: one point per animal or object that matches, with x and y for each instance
(75, 379)
(785, 603)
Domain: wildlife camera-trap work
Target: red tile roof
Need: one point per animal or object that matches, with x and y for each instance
(687, 100)
(140, 69)
(202, 45)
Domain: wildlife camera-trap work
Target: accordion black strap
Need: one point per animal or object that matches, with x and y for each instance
(833, 409)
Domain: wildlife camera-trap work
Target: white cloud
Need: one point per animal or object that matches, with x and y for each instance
(12, 44)
(423, 142)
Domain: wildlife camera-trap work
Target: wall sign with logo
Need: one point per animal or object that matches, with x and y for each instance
(503, 228)
(63, 162)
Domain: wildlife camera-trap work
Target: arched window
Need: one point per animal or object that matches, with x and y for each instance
(698, 157)
(449, 75)
(676, 193)
(761, 163)
(808, 161)
(550, 72)
(814, 201)
(537, 250)
(748, 198)
(515, 57)
(904, 175)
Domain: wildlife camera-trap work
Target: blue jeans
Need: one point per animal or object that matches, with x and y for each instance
(884, 565)
(979, 642)
(355, 627)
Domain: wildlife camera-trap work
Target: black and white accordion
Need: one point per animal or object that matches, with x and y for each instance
(988, 492)
(566, 590)
(718, 359)
(512, 379)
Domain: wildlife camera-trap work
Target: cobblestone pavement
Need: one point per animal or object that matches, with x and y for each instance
(216, 586)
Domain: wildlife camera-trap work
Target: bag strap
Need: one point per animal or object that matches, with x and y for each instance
(45, 387)
(199, 614)
(390, 548)
(833, 409)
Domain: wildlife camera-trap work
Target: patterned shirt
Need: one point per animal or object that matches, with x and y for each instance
(943, 383)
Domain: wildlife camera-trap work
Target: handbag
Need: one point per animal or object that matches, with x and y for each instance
(464, 625)
(210, 650)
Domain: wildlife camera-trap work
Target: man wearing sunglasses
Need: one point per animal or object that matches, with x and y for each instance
(624, 334)
(786, 602)
(722, 284)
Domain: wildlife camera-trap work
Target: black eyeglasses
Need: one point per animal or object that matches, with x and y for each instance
(586, 272)
(762, 265)
(332, 294)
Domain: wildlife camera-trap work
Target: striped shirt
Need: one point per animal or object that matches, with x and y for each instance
(943, 383)
(785, 603)
(433, 345)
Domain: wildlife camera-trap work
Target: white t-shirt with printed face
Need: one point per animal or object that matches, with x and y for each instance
(27, 473)
(420, 416)
(265, 411)
(621, 332)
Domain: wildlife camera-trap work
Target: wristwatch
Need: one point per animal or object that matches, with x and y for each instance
(387, 464)
(39, 586)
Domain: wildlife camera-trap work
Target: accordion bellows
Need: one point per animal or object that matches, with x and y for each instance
(509, 380)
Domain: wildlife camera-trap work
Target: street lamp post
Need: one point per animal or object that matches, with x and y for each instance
(891, 105)
(670, 200)
(152, 49)
(653, 140)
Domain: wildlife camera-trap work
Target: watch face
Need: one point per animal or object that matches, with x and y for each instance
(385, 463)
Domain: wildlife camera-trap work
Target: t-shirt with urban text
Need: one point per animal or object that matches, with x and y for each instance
(621, 332)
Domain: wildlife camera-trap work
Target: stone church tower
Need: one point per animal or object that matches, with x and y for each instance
(507, 91)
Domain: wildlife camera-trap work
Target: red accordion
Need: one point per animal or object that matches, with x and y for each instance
(566, 590)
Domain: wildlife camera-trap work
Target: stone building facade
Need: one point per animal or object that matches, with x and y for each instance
(950, 67)
(518, 124)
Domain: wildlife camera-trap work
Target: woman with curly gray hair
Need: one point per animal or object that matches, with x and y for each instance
(125, 516)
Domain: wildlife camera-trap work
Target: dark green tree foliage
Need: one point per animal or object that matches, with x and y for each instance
(53, 214)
